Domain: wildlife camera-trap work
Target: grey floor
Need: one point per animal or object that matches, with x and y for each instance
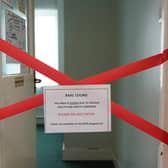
(49, 155)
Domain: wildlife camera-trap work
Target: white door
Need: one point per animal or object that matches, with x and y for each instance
(163, 149)
(17, 133)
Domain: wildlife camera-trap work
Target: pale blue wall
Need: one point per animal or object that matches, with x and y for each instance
(139, 37)
(90, 48)
(103, 34)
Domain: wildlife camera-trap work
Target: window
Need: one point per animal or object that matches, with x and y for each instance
(46, 41)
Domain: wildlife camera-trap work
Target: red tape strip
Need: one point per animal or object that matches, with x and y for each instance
(117, 110)
(35, 64)
(63, 79)
(126, 70)
(21, 106)
(140, 123)
(105, 77)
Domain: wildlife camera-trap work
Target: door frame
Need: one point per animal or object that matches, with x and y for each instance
(163, 148)
(31, 40)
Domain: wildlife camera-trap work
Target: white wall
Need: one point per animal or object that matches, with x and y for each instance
(50, 4)
(90, 48)
(139, 37)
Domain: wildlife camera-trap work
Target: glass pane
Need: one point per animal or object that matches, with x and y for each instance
(14, 30)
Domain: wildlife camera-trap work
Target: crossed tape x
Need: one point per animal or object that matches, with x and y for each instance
(102, 78)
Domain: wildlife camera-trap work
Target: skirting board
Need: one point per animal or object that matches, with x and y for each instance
(89, 154)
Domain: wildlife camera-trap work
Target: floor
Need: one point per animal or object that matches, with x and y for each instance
(49, 153)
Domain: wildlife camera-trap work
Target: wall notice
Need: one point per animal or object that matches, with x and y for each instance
(15, 32)
(19, 81)
(84, 108)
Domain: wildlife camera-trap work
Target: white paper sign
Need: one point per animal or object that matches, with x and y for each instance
(15, 32)
(84, 108)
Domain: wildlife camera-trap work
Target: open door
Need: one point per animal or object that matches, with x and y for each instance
(17, 134)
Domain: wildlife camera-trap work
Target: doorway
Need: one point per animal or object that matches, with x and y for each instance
(102, 35)
(46, 45)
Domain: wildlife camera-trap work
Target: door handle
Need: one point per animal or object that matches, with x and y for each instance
(37, 80)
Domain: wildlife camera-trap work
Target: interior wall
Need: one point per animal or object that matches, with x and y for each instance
(101, 35)
(90, 48)
(50, 4)
(139, 34)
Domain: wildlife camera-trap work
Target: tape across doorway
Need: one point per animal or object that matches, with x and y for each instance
(102, 78)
